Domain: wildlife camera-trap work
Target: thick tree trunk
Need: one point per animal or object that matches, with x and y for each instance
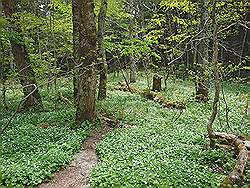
(202, 55)
(25, 72)
(86, 84)
(101, 51)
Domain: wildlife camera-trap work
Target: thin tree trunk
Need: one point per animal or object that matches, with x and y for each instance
(86, 84)
(132, 75)
(202, 55)
(4, 95)
(3, 78)
(132, 63)
(242, 49)
(75, 20)
(25, 72)
(217, 81)
(101, 51)
(3, 75)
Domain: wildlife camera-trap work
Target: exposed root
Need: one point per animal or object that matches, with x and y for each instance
(110, 122)
(224, 146)
(237, 142)
(64, 99)
(152, 96)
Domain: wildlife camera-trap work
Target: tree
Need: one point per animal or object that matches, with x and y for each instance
(216, 79)
(202, 54)
(25, 72)
(86, 83)
(101, 51)
(75, 20)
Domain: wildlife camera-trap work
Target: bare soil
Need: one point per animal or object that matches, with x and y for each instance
(77, 174)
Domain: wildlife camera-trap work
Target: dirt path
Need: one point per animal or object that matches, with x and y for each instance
(76, 175)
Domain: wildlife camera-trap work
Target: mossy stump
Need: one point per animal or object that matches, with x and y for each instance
(157, 83)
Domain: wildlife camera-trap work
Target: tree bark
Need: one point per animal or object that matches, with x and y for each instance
(3, 81)
(157, 83)
(202, 55)
(217, 81)
(101, 51)
(132, 70)
(236, 174)
(132, 63)
(86, 83)
(75, 20)
(3, 76)
(25, 72)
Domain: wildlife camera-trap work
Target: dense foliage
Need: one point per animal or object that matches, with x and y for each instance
(162, 30)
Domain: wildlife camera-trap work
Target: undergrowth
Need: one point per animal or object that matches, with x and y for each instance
(152, 146)
(160, 149)
(36, 144)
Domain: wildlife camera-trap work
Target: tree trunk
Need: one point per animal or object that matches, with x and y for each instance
(132, 70)
(101, 51)
(3, 75)
(75, 20)
(202, 55)
(86, 83)
(217, 81)
(25, 72)
(3, 80)
(132, 63)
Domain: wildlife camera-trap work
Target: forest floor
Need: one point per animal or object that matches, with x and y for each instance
(77, 174)
(160, 147)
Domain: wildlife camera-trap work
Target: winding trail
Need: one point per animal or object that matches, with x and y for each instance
(77, 174)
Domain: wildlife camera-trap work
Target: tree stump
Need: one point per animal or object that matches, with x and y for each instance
(202, 92)
(157, 82)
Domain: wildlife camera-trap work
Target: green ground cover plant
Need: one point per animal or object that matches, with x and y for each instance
(151, 146)
(38, 144)
(158, 150)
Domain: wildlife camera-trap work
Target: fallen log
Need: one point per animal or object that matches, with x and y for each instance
(238, 143)
(152, 96)
(125, 88)
(109, 121)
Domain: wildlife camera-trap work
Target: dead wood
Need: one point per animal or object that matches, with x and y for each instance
(152, 96)
(64, 99)
(157, 82)
(237, 142)
(109, 121)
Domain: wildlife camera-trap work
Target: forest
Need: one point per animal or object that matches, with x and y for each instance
(124, 93)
